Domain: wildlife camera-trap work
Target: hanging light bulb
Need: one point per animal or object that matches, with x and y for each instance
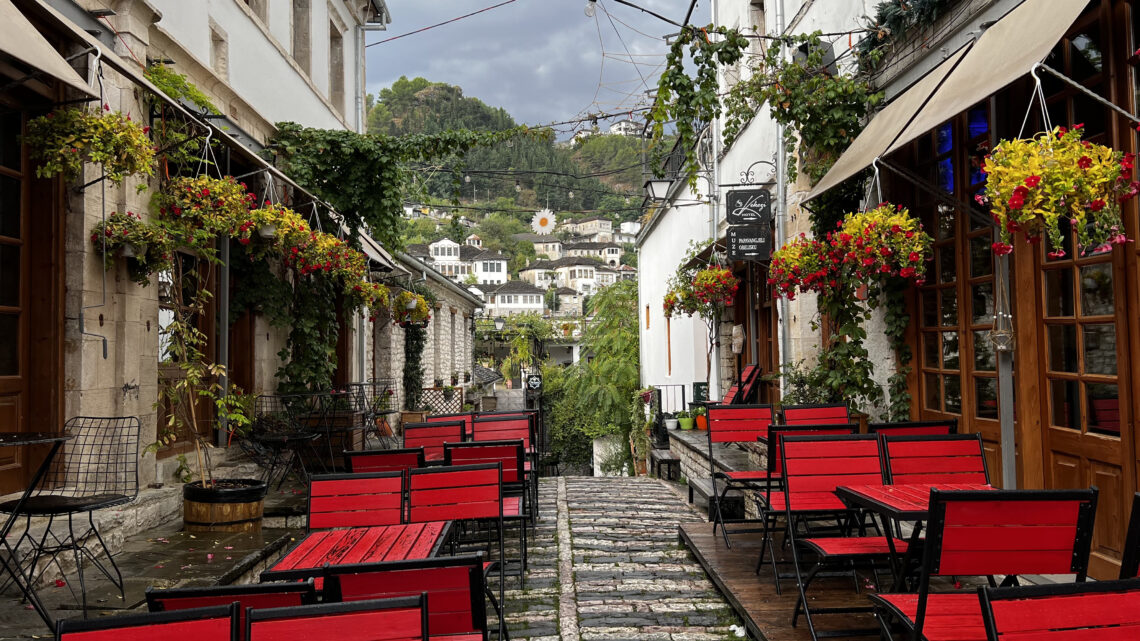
(570, 195)
(590, 6)
(518, 187)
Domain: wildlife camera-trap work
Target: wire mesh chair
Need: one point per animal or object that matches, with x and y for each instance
(378, 400)
(280, 431)
(98, 469)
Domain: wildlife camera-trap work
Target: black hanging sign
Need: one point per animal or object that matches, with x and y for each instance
(750, 242)
(749, 206)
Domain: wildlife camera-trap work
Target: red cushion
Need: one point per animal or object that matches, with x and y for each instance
(854, 545)
(955, 616)
(473, 636)
(512, 506)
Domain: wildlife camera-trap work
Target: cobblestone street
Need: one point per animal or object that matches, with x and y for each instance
(606, 564)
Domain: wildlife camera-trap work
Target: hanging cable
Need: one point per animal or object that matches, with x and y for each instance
(445, 22)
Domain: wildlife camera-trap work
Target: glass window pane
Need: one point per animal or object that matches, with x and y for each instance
(978, 121)
(946, 174)
(9, 275)
(981, 257)
(1064, 406)
(1104, 408)
(984, 358)
(982, 303)
(985, 398)
(930, 351)
(953, 389)
(947, 273)
(1062, 347)
(932, 392)
(9, 207)
(10, 140)
(1087, 58)
(949, 306)
(944, 138)
(930, 308)
(1093, 114)
(1100, 348)
(947, 215)
(950, 350)
(9, 344)
(1096, 290)
(1059, 292)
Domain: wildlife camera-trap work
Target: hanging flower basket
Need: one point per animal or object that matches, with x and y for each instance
(411, 310)
(144, 246)
(373, 297)
(865, 247)
(715, 286)
(279, 229)
(1042, 185)
(214, 206)
(63, 140)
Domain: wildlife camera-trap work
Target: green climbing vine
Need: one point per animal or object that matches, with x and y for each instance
(366, 177)
(822, 110)
(896, 318)
(691, 102)
(893, 20)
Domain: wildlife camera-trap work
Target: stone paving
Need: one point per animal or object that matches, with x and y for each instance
(606, 565)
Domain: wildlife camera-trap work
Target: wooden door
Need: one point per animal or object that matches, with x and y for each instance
(14, 296)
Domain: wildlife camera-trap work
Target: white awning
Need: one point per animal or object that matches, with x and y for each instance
(1005, 52)
(20, 40)
(886, 125)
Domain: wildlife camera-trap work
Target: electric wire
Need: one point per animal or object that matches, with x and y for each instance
(445, 22)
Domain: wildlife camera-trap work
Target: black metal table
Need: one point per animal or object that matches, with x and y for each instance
(10, 564)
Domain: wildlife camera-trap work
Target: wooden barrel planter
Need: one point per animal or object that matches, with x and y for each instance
(229, 505)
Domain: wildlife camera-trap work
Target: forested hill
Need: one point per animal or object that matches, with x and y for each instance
(543, 169)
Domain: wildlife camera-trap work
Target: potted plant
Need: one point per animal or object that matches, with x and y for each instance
(700, 417)
(144, 246)
(684, 419)
(1045, 185)
(454, 378)
(466, 377)
(437, 383)
(448, 392)
(64, 139)
(715, 285)
(671, 422)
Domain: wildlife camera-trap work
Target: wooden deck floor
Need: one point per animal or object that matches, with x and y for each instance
(766, 615)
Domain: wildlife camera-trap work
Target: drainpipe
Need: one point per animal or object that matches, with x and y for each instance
(714, 224)
(359, 70)
(781, 212)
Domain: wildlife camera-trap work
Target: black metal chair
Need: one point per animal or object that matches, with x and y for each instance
(378, 400)
(98, 469)
(279, 432)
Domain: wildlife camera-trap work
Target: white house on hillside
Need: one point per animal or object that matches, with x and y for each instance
(512, 297)
(544, 244)
(610, 253)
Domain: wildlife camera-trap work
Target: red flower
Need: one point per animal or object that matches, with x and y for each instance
(1097, 205)
(1001, 249)
(244, 241)
(914, 257)
(1060, 253)
(1033, 181)
(1084, 162)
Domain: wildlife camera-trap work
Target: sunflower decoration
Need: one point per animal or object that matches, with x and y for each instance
(543, 222)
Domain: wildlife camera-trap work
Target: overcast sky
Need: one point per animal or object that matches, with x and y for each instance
(541, 60)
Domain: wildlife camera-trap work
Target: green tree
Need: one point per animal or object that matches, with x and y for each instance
(496, 230)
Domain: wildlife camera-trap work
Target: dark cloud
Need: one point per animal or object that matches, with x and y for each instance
(538, 59)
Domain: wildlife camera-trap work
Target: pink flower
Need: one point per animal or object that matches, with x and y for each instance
(1060, 253)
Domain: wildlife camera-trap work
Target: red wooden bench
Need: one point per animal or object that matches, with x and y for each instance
(399, 460)
(508, 427)
(1130, 563)
(216, 623)
(251, 595)
(986, 533)
(735, 424)
(1101, 610)
(400, 619)
(356, 500)
(465, 492)
(432, 436)
(814, 466)
(468, 419)
(454, 587)
(509, 455)
(954, 458)
(818, 414)
(741, 392)
(915, 428)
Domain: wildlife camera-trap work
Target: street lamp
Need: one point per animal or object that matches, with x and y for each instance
(500, 323)
(467, 179)
(658, 188)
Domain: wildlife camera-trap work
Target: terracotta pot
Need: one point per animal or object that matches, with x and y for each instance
(702, 422)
